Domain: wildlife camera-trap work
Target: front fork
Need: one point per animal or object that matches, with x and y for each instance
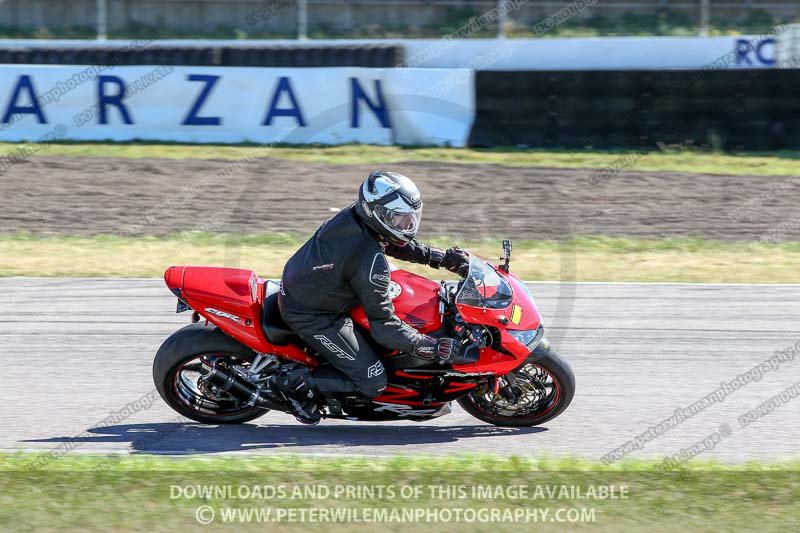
(505, 385)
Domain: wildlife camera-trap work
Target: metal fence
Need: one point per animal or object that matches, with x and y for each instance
(343, 18)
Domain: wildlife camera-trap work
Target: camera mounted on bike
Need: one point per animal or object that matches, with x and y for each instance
(506, 257)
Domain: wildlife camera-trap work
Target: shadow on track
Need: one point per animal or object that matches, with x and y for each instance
(166, 438)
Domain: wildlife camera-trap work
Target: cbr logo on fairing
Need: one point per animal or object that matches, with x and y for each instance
(404, 410)
(223, 314)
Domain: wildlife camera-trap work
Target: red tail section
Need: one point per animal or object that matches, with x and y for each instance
(232, 299)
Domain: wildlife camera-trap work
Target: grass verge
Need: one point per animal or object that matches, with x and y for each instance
(464, 494)
(581, 259)
(782, 163)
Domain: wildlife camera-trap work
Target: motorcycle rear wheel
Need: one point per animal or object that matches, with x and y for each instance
(549, 386)
(177, 369)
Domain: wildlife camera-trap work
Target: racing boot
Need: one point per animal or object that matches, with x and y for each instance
(297, 387)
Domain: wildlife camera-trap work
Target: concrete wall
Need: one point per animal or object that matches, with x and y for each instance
(332, 15)
(175, 15)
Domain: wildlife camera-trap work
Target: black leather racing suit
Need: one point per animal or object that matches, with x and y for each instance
(343, 265)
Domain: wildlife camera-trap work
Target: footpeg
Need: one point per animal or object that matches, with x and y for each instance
(427, 400)
(335, 408)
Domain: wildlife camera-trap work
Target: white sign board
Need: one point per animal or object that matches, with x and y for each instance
(234, 105)
(575, 53)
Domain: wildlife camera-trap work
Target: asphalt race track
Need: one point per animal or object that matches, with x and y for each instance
(75, 351)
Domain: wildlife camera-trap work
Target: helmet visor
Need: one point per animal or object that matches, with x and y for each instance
(401, 222)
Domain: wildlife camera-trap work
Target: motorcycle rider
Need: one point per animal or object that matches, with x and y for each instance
(342, 266)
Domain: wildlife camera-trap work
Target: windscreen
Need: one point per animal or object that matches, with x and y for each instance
(484, 287)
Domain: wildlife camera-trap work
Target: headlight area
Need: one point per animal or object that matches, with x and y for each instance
(529, 337)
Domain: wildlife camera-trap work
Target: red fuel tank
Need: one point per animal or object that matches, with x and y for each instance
(416, 302)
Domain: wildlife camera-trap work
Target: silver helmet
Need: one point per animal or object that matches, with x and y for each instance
(391, 205)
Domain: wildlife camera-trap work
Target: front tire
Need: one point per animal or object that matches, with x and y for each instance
(178, 362)
(552, 384)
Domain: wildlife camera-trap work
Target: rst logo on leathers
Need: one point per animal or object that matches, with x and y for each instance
(375, 370)
(334, 348)
(222, 314)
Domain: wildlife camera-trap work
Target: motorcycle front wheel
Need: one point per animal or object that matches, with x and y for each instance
(543, 388)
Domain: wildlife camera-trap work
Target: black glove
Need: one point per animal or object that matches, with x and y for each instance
(456, 260)
(443, 350)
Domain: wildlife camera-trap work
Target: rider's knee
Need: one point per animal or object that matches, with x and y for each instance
(373, 386)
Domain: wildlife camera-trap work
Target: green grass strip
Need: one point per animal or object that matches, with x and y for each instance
(776, 163)
(451, 493)
(579, 259)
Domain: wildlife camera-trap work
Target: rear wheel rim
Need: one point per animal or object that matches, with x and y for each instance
(195, 395)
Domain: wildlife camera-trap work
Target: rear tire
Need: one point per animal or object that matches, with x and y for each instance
(183, 346)
(546, 359)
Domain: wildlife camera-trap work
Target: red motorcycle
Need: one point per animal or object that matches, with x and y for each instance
(216, 369)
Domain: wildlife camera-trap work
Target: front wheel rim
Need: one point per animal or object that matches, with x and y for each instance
(540, 394)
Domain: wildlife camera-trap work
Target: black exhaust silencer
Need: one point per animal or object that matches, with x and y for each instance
(240, 389)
